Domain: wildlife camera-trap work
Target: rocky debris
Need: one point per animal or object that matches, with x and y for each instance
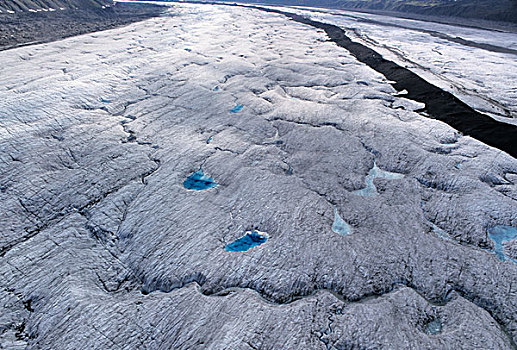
(103, 246)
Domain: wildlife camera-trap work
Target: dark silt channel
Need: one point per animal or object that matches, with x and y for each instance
(440, 104)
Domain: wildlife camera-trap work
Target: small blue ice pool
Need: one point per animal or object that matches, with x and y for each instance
(198, 181)
(500, 234)
(340, 226)
(236, 109)
(250, 240)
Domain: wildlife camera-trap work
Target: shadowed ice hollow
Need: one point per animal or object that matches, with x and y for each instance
(433, 327)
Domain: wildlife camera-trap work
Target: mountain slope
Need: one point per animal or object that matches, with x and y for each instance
(504, 10)
(25, 22)
(26, 5)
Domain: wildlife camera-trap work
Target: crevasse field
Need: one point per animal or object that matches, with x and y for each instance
(226, 178)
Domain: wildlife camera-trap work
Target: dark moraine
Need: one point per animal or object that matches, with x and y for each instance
(440, 104)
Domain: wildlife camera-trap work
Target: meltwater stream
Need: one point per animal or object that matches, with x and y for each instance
(370, 189)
